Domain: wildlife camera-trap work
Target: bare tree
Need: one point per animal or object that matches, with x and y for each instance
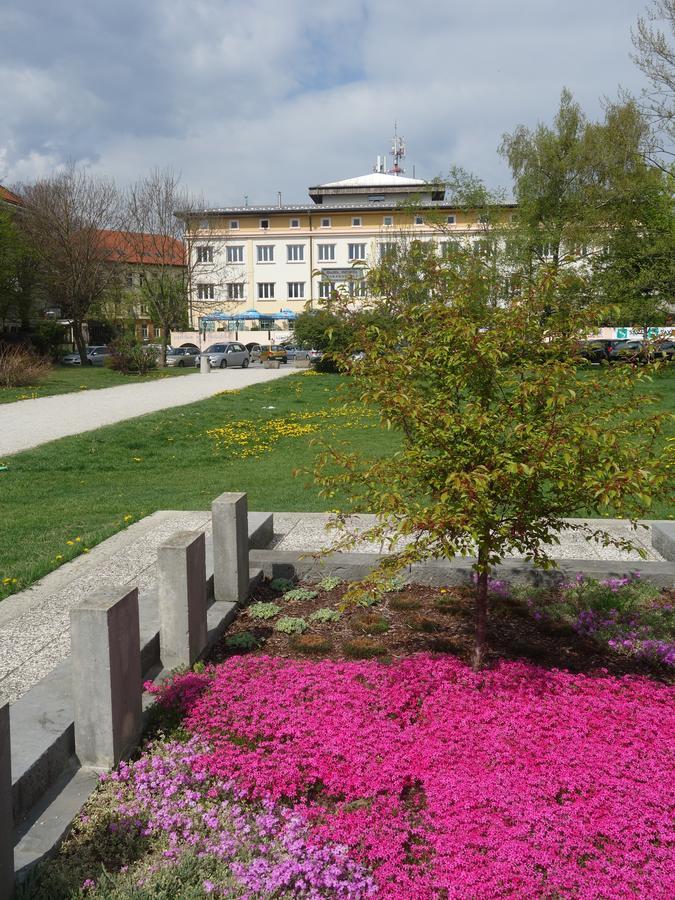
(65, 218)
(157, 237)
(655, 56)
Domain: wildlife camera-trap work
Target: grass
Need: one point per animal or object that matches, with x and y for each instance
(83, 489)
(91, 486)
(68, 379)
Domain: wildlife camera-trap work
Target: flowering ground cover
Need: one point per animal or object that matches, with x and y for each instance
(419, 778)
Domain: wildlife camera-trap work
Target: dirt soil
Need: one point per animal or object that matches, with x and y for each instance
(422, 619)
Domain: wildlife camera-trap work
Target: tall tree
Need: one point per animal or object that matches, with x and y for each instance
(591, 205)
(655, 56)
(158, 238)
(65, 218)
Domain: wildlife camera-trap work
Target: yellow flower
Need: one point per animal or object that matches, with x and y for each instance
(137, 458)
(128, 517)
(77, 540)
(70, 543)
(58, 557)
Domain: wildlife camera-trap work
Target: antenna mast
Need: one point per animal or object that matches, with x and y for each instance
(397, 152)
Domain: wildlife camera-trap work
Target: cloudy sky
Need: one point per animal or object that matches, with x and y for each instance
(251, 97)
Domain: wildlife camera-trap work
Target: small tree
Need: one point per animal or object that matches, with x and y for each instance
(503, 432)
(157, 238)
(65, 218)
(655, 56)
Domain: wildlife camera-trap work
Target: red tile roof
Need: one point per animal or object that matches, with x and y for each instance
(10, 197)
(144, 249)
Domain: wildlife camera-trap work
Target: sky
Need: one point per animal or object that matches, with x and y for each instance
(245, 98)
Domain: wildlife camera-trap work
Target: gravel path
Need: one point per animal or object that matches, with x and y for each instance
(29, 423)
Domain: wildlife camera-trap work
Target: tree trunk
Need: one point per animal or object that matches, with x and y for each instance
(480, 642)
(79, 342)
(166, 337)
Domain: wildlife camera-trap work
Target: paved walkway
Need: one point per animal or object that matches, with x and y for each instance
(29, 423)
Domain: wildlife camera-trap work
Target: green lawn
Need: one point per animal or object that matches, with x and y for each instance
(67, 379)
(89, 486)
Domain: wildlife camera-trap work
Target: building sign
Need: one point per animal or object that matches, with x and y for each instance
(340, 275)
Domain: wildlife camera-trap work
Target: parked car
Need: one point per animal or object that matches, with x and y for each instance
(96, 356)
(314, 355)
(664, 349)
(270, 351)
(601, 348)
(232, 353)
(592, 351)
(629, 351)
(295, 352)
(254, 351)
(181, 357)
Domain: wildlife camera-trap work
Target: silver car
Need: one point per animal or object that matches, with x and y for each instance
(181, 357)
(230, 354)
(96, 356)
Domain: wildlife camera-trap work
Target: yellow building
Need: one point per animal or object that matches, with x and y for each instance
(269, 258)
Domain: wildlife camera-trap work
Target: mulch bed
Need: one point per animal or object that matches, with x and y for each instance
(420, 619)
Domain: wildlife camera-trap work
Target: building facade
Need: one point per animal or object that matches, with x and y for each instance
(269, 258)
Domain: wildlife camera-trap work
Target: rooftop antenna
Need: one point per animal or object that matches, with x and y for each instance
(245, 199)
(279, 198)
(397, 152)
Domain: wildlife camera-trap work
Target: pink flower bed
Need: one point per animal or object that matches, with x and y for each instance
(515, 782)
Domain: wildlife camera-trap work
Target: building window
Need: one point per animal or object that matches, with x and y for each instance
(296, 290)
(326, 252)
(449, 249)
(144, 309)
(204, 254)
(481, 248)
(325, 288)
(295, 252)
(388, 250)
(419, 220)
(144, 332)
(130, 279)
(235, 254)
(234, 224)
(388, 221)
(358, 288)
(325, 223)
(356, 222)
(266, 290)
(204, 224)
(235, 291)
(356, 251)
(264, 223)
(205, 291)
(265, 253)
(451, 220)
(295, 223)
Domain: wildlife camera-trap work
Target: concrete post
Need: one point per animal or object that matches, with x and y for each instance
(181, 565)
(107, 680)
(204, 365)
(229, 513)
(6, 821)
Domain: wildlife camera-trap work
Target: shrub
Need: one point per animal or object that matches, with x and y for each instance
(371, 623)
(263, 610)
(20, 367)
(329, 582)
(128, 356)
(282, 584)
(363, 648)
(404, 603)
(290, 625)
(243, 640)
(48, 339)
(424, 624)
(300, 594)
(325, 614)
(311, 643)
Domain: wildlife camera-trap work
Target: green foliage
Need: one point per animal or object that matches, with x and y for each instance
(282, 584)
(300, 594)
(130, 356)
(325, 614)
(503, 435)
(263, 610)
(290, 625)
(588, 593)
(242, 640)
(329, 582)
(371, 623)
(48, 338)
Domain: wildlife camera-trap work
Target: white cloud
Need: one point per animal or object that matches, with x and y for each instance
(247, 97)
